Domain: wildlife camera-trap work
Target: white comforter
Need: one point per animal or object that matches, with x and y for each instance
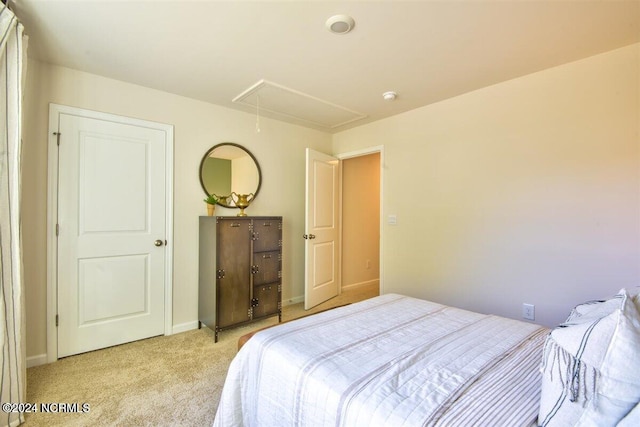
(387, 361)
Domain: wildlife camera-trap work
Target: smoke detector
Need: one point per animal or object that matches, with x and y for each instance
(389, 96)
(340, 24)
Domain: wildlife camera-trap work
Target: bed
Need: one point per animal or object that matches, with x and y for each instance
(388, 361)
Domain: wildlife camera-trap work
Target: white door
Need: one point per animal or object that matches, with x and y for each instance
(111, 243)
(322, 228)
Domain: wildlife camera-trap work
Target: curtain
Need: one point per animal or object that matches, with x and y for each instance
(13, 375)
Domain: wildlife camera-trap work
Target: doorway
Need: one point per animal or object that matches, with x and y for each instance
(361, 213)
(363, 196)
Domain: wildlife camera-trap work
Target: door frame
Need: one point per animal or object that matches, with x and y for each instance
(52, 209)
(359, 153)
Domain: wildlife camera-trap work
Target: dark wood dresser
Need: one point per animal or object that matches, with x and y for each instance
(240, 270)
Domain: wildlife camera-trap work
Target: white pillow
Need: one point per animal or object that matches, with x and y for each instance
(591, 310)
(632, 419)
(591, 365)
(635, 293)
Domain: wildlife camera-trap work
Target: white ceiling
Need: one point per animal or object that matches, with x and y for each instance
(426, 51)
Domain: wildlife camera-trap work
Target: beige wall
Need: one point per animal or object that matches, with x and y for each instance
(279, 148)
(360, 219)
(526, 191)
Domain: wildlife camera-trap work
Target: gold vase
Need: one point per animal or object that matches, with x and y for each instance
(210, 209)
(242, 201)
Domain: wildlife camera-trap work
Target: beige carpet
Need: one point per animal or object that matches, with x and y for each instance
(164, 381)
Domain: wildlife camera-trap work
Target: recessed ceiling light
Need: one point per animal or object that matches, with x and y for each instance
(340, 24)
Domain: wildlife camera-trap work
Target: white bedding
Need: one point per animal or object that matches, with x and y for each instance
(388, 361)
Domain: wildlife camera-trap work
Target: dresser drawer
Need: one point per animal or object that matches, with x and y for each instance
(266, 267)
(265, 299)
(267, 234)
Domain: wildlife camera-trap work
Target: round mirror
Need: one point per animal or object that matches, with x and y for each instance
(229, 168)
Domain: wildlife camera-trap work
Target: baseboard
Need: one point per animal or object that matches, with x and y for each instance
(184, 327)
(374, 282)
(294, 300)
(298, 299)
(40, 359)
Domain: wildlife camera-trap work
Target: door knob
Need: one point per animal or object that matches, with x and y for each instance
(158, 243)
(309, 236)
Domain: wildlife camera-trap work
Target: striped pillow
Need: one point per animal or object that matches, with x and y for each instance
(591, 365)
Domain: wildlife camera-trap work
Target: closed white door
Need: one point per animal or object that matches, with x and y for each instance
(322, 228)
(111, 242)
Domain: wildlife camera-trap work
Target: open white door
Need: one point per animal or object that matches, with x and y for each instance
(112, 220)
(322, 228)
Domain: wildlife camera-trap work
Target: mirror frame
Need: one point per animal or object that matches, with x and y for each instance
(255, 161)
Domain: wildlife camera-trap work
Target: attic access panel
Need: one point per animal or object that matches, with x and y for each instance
(286, 102)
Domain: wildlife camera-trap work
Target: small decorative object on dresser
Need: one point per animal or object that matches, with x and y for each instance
(240, 273)
(242, 201)
(211, 201)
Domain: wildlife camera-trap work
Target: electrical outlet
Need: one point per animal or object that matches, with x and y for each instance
(529, 311)
(368, 264)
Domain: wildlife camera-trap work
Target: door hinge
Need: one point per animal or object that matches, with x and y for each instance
(57, 229)
(250, 313)
(57, 134)
(57, 319)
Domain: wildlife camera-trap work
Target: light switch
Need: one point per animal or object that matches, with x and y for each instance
(392, 219)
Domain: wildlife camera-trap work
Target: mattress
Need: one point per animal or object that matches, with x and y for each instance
(388, 361)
